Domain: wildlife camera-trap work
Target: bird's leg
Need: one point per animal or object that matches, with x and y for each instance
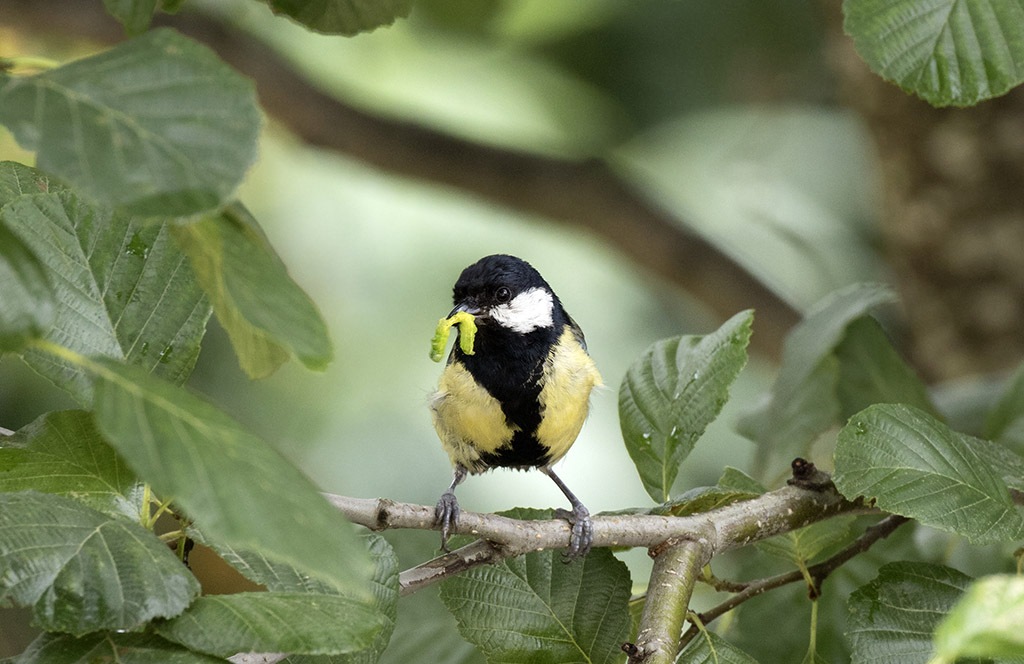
(446, 514)
(582, 536)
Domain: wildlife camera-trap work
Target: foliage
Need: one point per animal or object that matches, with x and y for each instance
(126, 237)
(950, 52)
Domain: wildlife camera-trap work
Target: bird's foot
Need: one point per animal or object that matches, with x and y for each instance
(582, 536)
(446, 515)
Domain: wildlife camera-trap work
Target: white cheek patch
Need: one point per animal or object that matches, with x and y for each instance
(527, 311)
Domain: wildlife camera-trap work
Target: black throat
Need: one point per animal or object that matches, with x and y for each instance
(510, 365)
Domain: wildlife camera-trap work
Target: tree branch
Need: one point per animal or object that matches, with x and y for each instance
(719, 530)
(818, 573)
(677, 565)
(586, 194)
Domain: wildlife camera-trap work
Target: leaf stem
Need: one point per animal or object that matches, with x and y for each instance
(30, 62)
(144, 515)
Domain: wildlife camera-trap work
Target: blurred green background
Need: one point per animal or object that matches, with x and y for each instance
(722, 114)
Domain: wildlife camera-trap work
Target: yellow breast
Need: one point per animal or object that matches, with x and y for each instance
(467, 418)
(569, 376)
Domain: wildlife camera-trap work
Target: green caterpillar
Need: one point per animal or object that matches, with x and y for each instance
(467, 332)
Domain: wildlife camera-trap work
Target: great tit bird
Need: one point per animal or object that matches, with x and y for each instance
(520, 399)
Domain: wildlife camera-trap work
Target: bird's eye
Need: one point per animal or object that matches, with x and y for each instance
(502, 294)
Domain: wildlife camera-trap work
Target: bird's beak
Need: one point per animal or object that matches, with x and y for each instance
(469, 307)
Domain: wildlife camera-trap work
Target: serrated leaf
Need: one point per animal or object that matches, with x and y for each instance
(803, 545)
(871, 371)
(1009, 410)
(949, 52)
(985, 622)
(26, 299)
(1007, 464)
(223, 625)
(134, 15)
(342, 17)
(701, 499)
(266, 314)
(63, 453)
(83, 571)
(803, 401)
(158, 124)
(736, 480)
(238, 488)
(911, 464)
(282, 577)
(21, 180)
(672, 392)
(709, 648)
(537, 609)
(123, 289)
(114, 648)
(892, 617)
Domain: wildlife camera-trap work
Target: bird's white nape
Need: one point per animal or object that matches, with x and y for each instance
(528, 311)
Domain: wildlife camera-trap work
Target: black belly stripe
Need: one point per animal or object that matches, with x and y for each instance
(509, 366)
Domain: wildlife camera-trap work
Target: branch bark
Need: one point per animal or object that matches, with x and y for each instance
(586, 194)
(720, 530)
(676, 568)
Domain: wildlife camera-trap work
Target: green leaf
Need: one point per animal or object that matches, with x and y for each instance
(1009, 410)
(63, 453)
(709, 648)
(949, 52)
(701, 499)
(871, 371)
(123, 289)
(266, 314)
(102, 648)
(892, 617)
(239, 489)
(672, 392)
(1006, 463)
(83, 571)
(134, 15)
(537, 609)
(342, 17)
(26, 299)
(805, 544)
(986, 622)
(158, 124)
(282, 577)
(909, 463)
(21, 180)
(737, 480)
(803, 401)
(223, 625)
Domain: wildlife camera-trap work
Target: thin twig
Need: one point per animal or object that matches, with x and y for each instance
(480, 552)
(818, 573)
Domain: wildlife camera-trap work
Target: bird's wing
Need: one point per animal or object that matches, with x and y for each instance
(576, 331)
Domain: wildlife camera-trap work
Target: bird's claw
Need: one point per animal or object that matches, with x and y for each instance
(581, 538)
(446, 515)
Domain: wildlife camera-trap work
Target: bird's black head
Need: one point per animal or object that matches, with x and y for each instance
(507, 291)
